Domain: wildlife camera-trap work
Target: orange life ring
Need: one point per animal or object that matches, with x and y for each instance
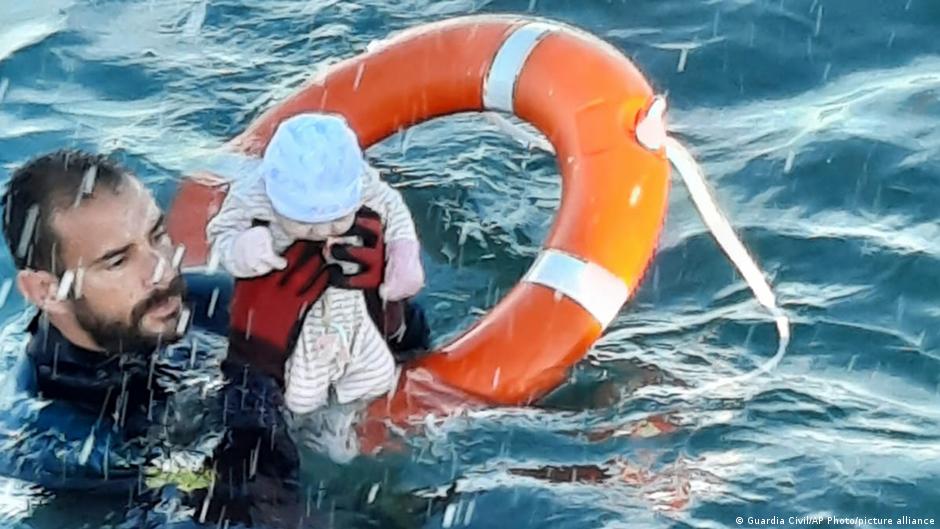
(587, 98)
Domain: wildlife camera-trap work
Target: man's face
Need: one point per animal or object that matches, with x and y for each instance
(127, 292)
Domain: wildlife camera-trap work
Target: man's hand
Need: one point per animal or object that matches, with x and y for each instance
(370, 256)
(267, 312)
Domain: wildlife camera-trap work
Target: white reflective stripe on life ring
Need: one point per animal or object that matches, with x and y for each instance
(500, 82)
(590, 285)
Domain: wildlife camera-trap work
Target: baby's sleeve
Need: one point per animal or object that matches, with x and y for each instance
(240, 206)
(389, 204)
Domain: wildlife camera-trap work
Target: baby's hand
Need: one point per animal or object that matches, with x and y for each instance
(253, 254)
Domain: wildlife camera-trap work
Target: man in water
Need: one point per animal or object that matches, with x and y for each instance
(113, 392)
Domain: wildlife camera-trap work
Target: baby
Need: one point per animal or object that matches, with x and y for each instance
(312, 181)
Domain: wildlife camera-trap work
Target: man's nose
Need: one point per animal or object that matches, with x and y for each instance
(162, 268)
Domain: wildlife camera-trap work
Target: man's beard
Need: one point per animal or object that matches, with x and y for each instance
(120, 337)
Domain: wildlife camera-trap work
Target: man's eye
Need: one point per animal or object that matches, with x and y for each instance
(161, 236)
(116, 262)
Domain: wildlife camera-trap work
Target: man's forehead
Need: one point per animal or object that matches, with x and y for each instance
(105, 221)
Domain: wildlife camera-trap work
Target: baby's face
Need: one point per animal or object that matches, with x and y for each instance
(318, 231)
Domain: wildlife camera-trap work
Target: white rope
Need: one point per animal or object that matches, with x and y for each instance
(721, 230)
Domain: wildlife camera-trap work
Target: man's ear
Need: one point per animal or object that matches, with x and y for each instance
(41, 289)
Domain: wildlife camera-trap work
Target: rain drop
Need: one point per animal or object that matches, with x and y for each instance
(819, 15)
(205, 504)
(88, 182)
(468, 514)
(683, 58)
(321, 491)
(183, 323)
(55, 362)
(79, 281)
(359, 72)
(635, 195)
(788, 165)
(373, 492)
(852, 363)
(405, 141)
(212, 302)
(178, 256)
(158, 270)
(5, 291)
(153, 368)
(195, 20)
(214, 261)
(29, 227)
(192, 355)
(124, 400)
(449, 513)
(65, 285)
(254, 459)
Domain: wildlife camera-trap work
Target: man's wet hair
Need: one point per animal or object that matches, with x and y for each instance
(40, 188)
